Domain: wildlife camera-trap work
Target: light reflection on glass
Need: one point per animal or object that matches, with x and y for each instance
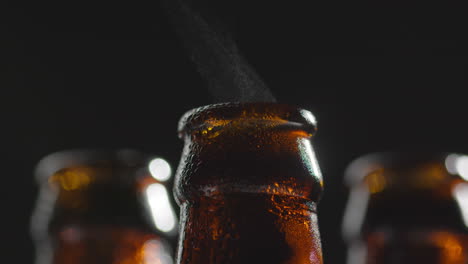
(457, 164)
(308, 116)
(450, 162)
(308, 158)
(462, 166)
(355, 211)
(461, 196)
(160, 169)
(161, 210)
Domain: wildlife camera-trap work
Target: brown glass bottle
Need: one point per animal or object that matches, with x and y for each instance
(248, 184)
(95, 207)
(407, 208)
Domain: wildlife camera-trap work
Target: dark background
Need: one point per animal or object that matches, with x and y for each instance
(377, 75)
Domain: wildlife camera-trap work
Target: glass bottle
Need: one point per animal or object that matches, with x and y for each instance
(248, 184)
(407, 208)
(103, 207)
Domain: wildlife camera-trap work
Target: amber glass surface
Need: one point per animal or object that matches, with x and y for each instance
(248, 184)
(406, 208)
(116, 245)
(92, 209)
(428, 246)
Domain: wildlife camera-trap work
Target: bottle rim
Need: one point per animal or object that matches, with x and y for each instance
(359, 168)
(193, 120)
(55, 161)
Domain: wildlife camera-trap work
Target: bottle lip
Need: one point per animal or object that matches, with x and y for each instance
(195, 118)
(53, 162)
(364, 165)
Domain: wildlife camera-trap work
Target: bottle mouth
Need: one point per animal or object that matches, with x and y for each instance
(402, 167)
(247, 115)
(78, 158)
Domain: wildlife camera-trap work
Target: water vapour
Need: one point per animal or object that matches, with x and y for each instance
(229, 76)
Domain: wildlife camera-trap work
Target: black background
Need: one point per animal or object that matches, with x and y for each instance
(76, 74)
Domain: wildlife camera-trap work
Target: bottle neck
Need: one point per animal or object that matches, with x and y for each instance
(430, 247)
(245, 184)
(249, 228)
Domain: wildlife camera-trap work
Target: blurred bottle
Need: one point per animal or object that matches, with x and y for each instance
(248, 184)
(99, 207)
(407, 208)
